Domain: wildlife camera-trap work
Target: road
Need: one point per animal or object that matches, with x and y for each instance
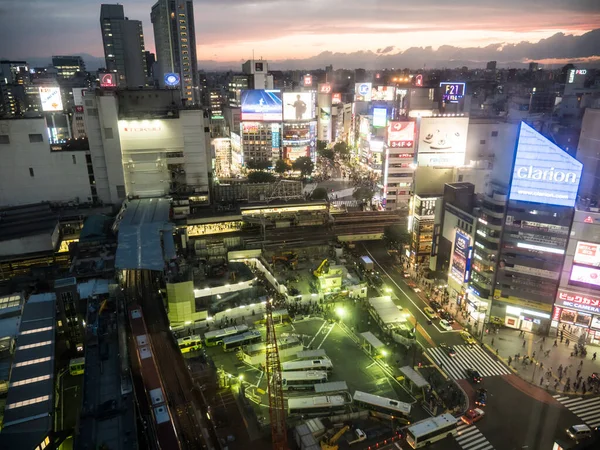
(518, 415)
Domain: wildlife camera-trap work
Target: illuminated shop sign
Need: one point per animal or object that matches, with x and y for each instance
(452, 92)
(401, 134)
(587, 253)
(579, 301)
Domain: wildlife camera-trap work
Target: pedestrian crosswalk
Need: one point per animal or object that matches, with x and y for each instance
(470, 438)
(467, 357)
(587, 409)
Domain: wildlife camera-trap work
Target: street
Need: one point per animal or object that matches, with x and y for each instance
(518, 414)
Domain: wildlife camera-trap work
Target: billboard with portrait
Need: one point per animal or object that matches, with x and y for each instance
(443, 136)
(543, 172)
(587, 254)
(401, 134)
(585, 277)
(383, 93)
(261, 105)
(298, 106)
(50, 99)
(459, 269)
(362, 92)
(379, 117)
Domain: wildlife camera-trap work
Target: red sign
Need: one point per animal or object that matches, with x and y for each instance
(108, 80)
(419, 80)
(336, 98)
(556, 314)
(141, 129)
(401, 134)
(307, 80)
(589, 219)
(78, 109)
(581, 302)
(324, 88)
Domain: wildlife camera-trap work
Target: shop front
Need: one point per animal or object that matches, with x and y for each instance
(578, 313)
(524, 315)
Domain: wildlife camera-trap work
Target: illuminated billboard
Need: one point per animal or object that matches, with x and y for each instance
(379, 117)
(459, 269)
(362, 92)
(298, 106)
(324, 88)
(307, 80)
(383, 93)
(587, 254)
(108, 80)
(336, 97)
(452, 92)
(585, 277)
(401, 134)
(442, 141)
(50, 99)
(543, 172)
(261, 105)
(172, 79)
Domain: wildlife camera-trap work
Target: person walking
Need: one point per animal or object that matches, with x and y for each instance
(594, 357)
(547, 384)
(524, 342)
(567, 342)
(555, 343)
(492, 342)
(542, 380)
(542, 347)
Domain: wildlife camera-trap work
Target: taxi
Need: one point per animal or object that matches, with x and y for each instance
(468, 338)
(429, 312)
(472, 416)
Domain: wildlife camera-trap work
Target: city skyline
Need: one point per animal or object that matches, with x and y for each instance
(276, 29)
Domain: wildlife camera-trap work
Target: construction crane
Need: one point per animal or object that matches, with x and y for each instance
(330, 444)
(275, 389)
(323, 268)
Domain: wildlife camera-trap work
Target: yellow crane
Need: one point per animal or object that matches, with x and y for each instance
(323, 268)
(330, 444)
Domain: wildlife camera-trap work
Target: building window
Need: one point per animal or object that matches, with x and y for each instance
(482, 142)
(121, 191)
(74, 159)
(31, 174)
(4, 139)
(494, 134)
(108, 133)
(36, 138)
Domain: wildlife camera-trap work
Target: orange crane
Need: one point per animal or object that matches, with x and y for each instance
(275, 389)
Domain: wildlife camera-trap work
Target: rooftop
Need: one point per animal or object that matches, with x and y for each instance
(26, 220)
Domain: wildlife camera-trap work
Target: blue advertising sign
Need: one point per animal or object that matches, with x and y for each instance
(543, 172)
(172, 79)
(452, 92)
(379, 117)
(460, 257)
(261, 105)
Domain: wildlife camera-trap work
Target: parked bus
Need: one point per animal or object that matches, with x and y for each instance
(232, 343)
(189, 343)
(319, 405)
(391, 409)
(216, 337)
(431, 430)
(302, 379)
(77, 366)
(314, 364)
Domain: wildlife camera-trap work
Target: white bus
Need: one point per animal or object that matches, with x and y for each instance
(389, 408)
(321, 405)
(216, 337)
(431, 430)
(302, 379)
(314, 364)
(232, 343)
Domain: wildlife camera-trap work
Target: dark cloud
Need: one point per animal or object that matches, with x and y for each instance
(388, 49)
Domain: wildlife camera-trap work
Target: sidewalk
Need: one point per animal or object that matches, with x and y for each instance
(507, 343)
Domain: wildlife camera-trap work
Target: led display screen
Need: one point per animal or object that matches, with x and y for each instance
(460, 257)
(585, 276)
(298, 106)
(383, 93)
(452, 92)
(261, 105)
(587, 253)
(442, 141)
(50, 99)
(543, 172)
(379, 117)
(401, 134)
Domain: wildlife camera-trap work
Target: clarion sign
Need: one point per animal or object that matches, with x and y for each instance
(558, 176)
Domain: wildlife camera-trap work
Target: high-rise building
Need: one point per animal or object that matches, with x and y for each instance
(150, 62)
(123, 41)
(175, 42)
(588, 152)
(68, 66)
(491, 65)
(260, 78)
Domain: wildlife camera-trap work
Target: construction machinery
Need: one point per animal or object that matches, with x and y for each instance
(289, 258)
(331, 443)
(322, 269)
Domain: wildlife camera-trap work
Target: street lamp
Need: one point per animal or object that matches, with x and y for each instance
(340, 312)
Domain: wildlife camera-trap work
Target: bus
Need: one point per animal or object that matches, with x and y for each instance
(216, 337)
(321, 405)
(431, 430)
(189, 343)
(232, 343)
(387, 407)
(302, 379)
(314, 364)
(77, 366)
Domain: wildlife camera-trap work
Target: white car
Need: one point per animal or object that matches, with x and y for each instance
(445, 325)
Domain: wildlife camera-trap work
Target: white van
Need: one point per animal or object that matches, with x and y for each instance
(579, 432)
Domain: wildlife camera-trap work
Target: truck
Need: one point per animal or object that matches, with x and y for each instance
(367, 263)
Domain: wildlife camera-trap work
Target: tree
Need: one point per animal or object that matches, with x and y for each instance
(327, 153)
(281, 166)
(319, 194)
(363, 194)
(396, 236)
(321, 145)
(304, 165)
(342, 149)
(260, 176)
(258, 165)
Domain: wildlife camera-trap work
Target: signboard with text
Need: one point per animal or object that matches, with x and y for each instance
(587, 253)
(452, 92)
(578, 301)
(401, 134)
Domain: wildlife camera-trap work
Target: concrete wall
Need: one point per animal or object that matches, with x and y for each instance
(57, 176)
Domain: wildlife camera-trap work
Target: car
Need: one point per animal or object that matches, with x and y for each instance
(430, 312)
(449, 350)
(480, 397)
(474, 376)
(436, 306)
(447, 316)
(406, 275)
(468, 338)
(445, 325)
(417, 290)
(472, 416)
(579, 432)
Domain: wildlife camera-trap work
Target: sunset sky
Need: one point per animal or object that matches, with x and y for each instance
(229, 30)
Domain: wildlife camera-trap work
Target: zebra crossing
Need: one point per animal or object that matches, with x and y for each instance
(470, 438)
(587, 409)
(467, 357)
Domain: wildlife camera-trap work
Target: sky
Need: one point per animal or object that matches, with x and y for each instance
(231, 30)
